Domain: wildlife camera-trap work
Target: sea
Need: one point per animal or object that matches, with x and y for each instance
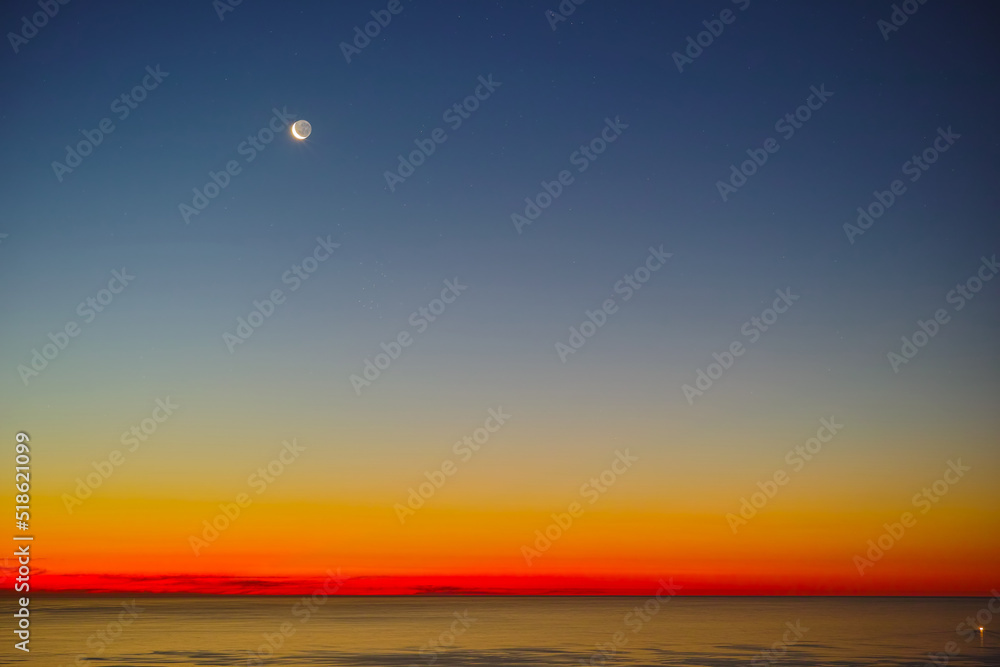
(504, 630)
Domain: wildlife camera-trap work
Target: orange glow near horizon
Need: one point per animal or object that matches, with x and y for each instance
(272, 549)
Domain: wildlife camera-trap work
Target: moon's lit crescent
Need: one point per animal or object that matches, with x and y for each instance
(301, 129)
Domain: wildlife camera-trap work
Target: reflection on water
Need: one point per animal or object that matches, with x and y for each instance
(707, 631)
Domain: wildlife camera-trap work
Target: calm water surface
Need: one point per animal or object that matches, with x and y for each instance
(501, 631)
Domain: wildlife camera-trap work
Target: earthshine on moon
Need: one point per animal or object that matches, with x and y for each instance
(301, 129)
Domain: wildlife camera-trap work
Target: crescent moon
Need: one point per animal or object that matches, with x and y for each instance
(301, 129)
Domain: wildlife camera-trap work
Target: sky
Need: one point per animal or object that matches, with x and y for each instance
(462, 336)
